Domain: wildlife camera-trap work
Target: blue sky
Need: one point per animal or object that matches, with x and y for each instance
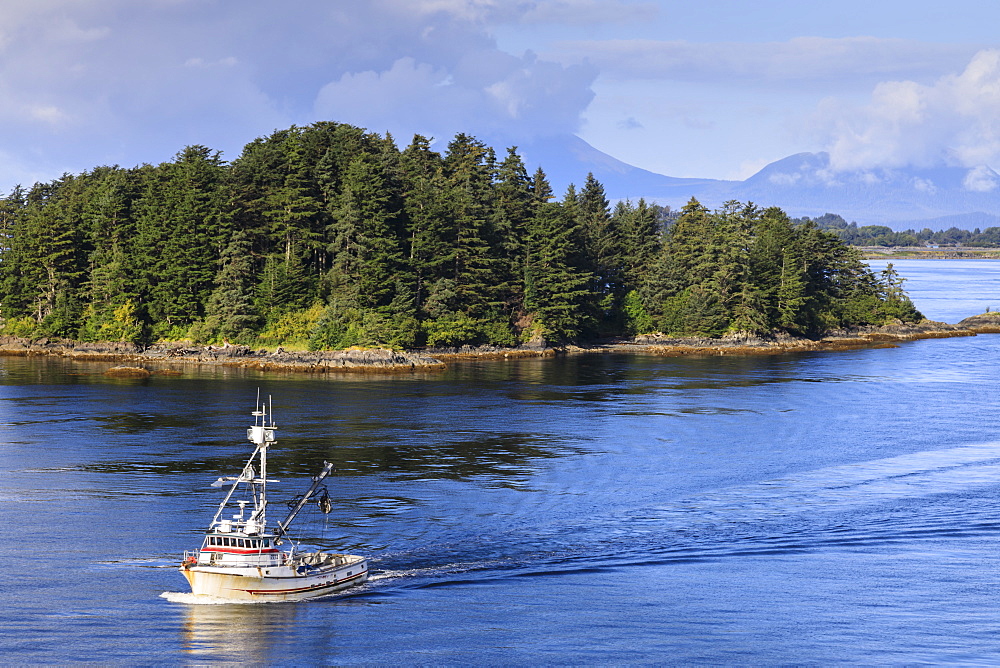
(716, 88)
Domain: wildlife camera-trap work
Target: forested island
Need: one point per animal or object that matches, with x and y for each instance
(329, 237)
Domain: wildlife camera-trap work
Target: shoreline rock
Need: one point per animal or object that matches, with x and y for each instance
(350, 361)
(984, 323)
(389, 361)
(128, 372)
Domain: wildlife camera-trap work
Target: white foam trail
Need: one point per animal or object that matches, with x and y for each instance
(200, 599)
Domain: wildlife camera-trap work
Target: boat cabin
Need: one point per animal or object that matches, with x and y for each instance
(235, 541)
(240, 550)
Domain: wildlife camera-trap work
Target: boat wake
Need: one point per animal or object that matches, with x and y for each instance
(873, 505)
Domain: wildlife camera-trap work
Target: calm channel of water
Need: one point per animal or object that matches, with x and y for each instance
(809, 508)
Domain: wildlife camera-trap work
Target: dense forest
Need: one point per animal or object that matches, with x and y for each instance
(328, 236)
(880, 235)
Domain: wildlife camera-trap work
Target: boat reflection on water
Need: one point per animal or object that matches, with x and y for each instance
(234, 633)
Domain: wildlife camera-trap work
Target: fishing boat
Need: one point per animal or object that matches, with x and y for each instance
(242, 559)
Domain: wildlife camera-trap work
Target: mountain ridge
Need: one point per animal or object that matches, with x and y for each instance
(803, 184)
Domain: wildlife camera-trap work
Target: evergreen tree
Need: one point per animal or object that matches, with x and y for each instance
(604, 249)
(641, 243)
(428, 226)
(513, 207)
(468, 167)
(232, 313)
(557, 283)
(181, 225)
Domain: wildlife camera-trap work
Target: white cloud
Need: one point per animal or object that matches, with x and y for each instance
(784, 179)
(980, 179)
(47, 114)
(954, 121)
(513, 97)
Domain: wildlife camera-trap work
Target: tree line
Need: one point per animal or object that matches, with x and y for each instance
(880, 235)
(329, 236)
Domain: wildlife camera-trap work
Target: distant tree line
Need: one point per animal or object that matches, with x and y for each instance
(880, 235)
(328, 236)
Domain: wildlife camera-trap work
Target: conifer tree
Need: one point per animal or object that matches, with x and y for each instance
(428, 229)
(232, 314)
(469, 166)
(604, 249)
(513, 207)
(557, 283)
(181, 225)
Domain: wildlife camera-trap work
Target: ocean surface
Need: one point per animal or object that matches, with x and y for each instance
(813, 508)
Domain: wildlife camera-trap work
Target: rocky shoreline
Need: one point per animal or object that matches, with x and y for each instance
(669, 346)
(163, 356)
(131, 360)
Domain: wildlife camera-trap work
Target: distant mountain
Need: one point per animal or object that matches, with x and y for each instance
(802, 185)
(568, 159)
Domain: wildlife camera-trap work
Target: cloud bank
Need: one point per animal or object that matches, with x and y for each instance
(88, 82)
(954, 121)
(814, 61)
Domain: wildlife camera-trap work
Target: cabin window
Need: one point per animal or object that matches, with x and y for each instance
(212, 540)
(226, 541)
(267, 543)
(240, 540)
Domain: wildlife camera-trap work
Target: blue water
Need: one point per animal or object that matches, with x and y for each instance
(812, 508)
(949, 290)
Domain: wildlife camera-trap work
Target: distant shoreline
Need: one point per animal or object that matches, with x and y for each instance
(923, 253)
(128, 360)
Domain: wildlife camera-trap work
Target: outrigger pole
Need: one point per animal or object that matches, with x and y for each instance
(317, 479)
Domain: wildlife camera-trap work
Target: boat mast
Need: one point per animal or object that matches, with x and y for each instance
(261, 434)
(245, 476)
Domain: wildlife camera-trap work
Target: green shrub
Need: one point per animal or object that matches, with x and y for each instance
(294, 328)
(20, 327)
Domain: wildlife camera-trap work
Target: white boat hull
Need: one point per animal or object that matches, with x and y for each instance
(281, 583)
